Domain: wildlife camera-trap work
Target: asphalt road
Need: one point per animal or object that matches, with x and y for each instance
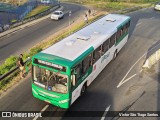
(22, 40)
(103, 93)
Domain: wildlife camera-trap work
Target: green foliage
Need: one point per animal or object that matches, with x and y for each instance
(115, 6)
(34, 50)
(38, 10)
(13, 21)
(8, 64)
(7, 80)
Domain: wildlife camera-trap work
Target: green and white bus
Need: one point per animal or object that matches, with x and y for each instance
(62, 72)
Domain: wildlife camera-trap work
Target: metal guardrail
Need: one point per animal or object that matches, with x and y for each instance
(16, 68)
(13, 70)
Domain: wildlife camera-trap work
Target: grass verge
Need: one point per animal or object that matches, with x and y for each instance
(38, 10)
(113, 5)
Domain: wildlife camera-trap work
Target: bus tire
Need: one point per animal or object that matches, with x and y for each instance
(115, 55)
(83, 89)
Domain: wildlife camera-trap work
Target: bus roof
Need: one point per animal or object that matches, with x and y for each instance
(88, 38)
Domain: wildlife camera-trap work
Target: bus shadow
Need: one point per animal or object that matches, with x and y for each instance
(89, 106)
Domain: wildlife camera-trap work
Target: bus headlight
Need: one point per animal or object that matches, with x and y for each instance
(64, 101)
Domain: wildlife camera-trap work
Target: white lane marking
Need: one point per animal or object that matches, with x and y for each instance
(138, 24)
(105, 112)
(121, 83)
(136, 63)
(131, 68)
(45, 107)
(68, 11)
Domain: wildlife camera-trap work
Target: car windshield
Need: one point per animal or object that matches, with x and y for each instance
(56, 13)
(52, 81)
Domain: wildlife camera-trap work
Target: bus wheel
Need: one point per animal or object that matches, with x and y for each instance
(83, 89)
(115, 55)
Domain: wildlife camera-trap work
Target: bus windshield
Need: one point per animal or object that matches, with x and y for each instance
(52, 81)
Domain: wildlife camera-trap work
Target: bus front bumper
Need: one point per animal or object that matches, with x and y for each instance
(63, 103)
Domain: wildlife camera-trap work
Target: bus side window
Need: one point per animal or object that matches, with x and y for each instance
(118, 35)
(125, 29)
(106, 46)
(101, 50)
(96, 55)
(121, 31)
(127, 25)
(86, 63)
(112, 40)
(78, 70)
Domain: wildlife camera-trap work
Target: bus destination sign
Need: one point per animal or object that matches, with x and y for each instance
(48, 64)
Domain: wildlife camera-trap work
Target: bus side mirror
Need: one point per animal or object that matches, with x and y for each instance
(73, 80)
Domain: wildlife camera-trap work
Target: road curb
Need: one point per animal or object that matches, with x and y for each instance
(13, 30)
(152, 58)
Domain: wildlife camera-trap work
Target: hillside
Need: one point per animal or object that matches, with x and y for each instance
(14, 2)
(128, 1)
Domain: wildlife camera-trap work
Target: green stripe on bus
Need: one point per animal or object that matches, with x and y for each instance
(121, 38)
(53, 59)
(60, 60)
(82, 56)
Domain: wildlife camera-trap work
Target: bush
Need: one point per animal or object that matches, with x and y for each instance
(13, 21)
(8, 64)
(34, 50)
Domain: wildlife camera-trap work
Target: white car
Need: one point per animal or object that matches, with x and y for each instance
(57, 15)
(157, 6)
